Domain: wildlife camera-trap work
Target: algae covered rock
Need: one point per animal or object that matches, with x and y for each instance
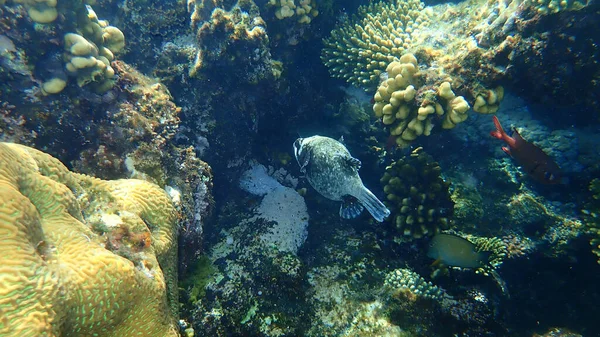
(81, 256)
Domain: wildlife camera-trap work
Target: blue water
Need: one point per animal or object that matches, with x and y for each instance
(231, 84)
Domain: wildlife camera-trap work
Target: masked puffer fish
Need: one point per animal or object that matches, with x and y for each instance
(333, 172)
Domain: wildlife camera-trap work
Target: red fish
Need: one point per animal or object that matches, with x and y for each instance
(530, 157)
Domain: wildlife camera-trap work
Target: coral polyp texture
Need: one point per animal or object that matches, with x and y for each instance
(417, 196)
(82, 256)
(406, 280)
(362, 47)
(407, 104)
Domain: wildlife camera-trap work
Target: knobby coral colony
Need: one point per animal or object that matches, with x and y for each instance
(396, 102)
(374, 48)
(89, 45)
(417, 195)
(82, 256)
(406, 280)
(303, 10)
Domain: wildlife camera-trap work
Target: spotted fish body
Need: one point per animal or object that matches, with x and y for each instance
(333, 172)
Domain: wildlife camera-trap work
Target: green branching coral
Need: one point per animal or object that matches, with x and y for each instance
(495, 247)
(406, 280)
(417, 195)
(361, 49)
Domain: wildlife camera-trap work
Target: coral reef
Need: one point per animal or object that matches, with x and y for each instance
(477, 44)
(495, 247)
(89, 45)
(362, 47)
(83, 256)
(407, 104)
(303, 11)
(235, 40)
(40, 11)
(406, 280)
(417, 195)
(89, 53)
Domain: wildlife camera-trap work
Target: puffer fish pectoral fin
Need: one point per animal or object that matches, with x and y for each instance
(305, 158)
(354, 163)
(350, 208)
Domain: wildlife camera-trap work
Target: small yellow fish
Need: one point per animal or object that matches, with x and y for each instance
(454, 251)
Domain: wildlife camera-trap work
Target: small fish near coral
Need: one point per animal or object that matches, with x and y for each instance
(455, 251)
(333, 172)
(531, 158)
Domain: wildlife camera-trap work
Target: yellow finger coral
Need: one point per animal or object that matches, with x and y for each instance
(88, 54)
(488, 102)
(304, 10)
(40, 11)
(81, 256)
(408, 116)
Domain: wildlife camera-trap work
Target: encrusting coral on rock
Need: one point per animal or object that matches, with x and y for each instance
(238, 33)
(82, 256)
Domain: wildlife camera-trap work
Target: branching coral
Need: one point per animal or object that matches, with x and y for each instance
(407, 104)
(495, 247)
(417, 195)
(58, 273)
(361, 49)
(406, 280)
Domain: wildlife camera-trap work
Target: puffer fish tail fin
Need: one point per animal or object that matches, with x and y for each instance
(372, 204)
(350, 208)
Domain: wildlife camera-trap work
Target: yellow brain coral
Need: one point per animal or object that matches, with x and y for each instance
(81, 256)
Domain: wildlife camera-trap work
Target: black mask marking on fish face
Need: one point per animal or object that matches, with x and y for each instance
(302, 156)
(298, 148)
